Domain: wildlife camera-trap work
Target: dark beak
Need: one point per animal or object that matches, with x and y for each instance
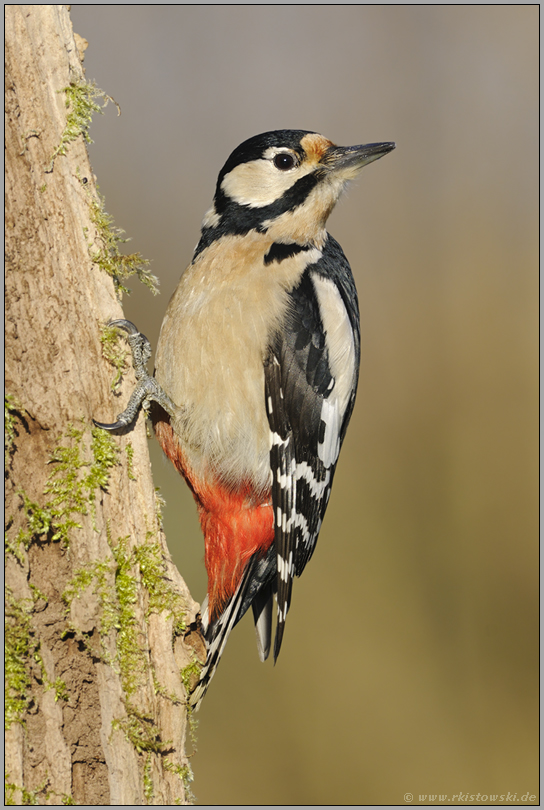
(349, 160)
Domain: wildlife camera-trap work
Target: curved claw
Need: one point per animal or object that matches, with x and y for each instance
(128, 326)
(147, 390)
(104, 426)
(140, 345)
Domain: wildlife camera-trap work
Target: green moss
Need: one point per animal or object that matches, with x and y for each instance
(162, 594)
(159, 505)
(38, 522)
(148, 781)
(129, 449)
(105, 454)
(12, 406)
(20, 649)
(99, 574)
(116, 582)
(75, 479)
(108, 579)
(61, 692)
(81, 581)
(140, 730)
(9, 790)
(132, 660)
(80, 101)
(185, 773)
(37, 594)
(114, 351)
(160, 690)
(28, 797)
(14, 547)
(109, 257)
(189, 675)
(72, 486)
(143, 564)
(65, 485)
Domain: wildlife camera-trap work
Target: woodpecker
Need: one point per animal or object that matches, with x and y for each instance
(256, 372)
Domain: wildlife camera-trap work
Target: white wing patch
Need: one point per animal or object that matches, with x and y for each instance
(341, 351)
(329, 448)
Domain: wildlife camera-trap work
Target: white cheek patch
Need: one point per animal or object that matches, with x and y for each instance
(259, 183)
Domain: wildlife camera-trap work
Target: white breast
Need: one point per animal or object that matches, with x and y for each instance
(210, 355)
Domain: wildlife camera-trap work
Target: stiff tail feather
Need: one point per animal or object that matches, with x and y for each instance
(255, 588)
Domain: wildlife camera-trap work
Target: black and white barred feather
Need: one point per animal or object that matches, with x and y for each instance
(310, 386)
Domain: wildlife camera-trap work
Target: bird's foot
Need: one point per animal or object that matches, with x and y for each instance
(147, 390)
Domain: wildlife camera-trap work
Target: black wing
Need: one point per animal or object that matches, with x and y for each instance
(310, 386)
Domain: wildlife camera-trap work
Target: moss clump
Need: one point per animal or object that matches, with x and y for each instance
(11, 407)
(129, 449)
(141, 731)
(109, 257)
(61, 692)
(185, 773)
(82, 579)
(160, 503)
(116, 588)
(22, 652)
(99, 574)
(30, 797)
(162, 594)
(131, 657)
(75, 479)
(26, 798)
(20, 648)
(149, 789)
(80, 100)
(189, 677)
(115, 582)
(114, 351)
(72, 486)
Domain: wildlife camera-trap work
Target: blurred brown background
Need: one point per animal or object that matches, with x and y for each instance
(410, 657)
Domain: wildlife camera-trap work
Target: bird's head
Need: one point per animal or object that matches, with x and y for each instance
(286, 183)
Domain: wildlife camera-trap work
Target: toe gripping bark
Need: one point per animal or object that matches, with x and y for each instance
(147, 390)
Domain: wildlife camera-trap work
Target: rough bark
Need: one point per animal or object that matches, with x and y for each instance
(99, 622)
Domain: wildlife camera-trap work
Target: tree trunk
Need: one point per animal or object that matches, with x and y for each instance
(100, 634)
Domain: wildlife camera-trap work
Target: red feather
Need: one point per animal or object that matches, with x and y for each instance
(236, 523)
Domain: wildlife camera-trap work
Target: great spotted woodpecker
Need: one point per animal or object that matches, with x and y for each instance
(256, 374)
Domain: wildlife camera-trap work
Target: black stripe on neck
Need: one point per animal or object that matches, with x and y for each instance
(279, 251)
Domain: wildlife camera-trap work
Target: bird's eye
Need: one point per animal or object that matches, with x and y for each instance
(284, 161)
